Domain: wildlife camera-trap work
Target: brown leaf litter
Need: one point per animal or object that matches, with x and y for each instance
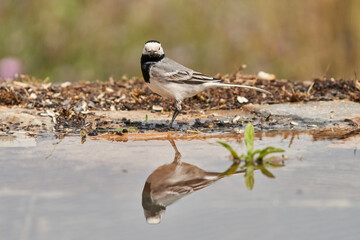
(70, 103)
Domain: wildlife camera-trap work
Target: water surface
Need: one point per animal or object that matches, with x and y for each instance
(61, 189)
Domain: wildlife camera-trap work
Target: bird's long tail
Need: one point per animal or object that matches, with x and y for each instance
(218, 84)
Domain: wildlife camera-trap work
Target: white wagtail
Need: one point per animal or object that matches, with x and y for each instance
(170, 79)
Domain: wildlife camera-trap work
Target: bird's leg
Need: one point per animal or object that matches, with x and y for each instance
(177, 158)
(177, 110)
(173, 117)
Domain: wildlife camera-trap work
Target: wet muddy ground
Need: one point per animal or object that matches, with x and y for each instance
(335, 119)
(127, 105)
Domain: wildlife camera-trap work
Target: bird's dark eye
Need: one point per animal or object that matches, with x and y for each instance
(159, 49)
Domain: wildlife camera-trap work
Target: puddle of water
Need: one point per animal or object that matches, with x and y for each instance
(62, 189)
(15, 141)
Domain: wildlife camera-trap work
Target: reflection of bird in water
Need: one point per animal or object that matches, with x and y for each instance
(170, 182)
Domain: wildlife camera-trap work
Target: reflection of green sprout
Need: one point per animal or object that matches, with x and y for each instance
(83, 136)
(253, 160)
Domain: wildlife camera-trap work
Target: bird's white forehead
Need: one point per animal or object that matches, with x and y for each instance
(152, 46)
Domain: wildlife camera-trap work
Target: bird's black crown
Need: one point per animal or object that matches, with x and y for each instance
(155, 41)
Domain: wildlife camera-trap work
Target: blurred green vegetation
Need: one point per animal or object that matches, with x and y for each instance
(72, 40)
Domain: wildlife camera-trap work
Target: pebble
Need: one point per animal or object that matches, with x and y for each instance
(266, 76)
(33, 96)
(294, 123)
(65, 84)
(242, 99)
(46, 85)
(236, 119)
(157, 108)
(110, 90)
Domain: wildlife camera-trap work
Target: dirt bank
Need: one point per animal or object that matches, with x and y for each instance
(127, 104)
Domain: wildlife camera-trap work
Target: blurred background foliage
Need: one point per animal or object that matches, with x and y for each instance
(73, 40)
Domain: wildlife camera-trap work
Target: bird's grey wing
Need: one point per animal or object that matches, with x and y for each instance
(171, 71)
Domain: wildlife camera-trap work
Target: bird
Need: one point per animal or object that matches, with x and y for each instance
(170, 79)
(171, 182)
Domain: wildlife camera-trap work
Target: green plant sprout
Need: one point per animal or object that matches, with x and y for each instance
(252, 160)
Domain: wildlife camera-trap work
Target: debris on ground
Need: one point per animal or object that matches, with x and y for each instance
(69, 104)
(132, 94)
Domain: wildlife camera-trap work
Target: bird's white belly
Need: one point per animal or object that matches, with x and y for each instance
(174, 90)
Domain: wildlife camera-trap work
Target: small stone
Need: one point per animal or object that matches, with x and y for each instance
(236, 119)
(91, 104)
(30, 106)
(157, 108)
(46, 85)
(33, 96)
(294, 123)
(242, 99)
(266, 76)
(65, 84)
(109, 90)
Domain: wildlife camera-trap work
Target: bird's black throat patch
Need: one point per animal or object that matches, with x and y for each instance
(146, 62)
